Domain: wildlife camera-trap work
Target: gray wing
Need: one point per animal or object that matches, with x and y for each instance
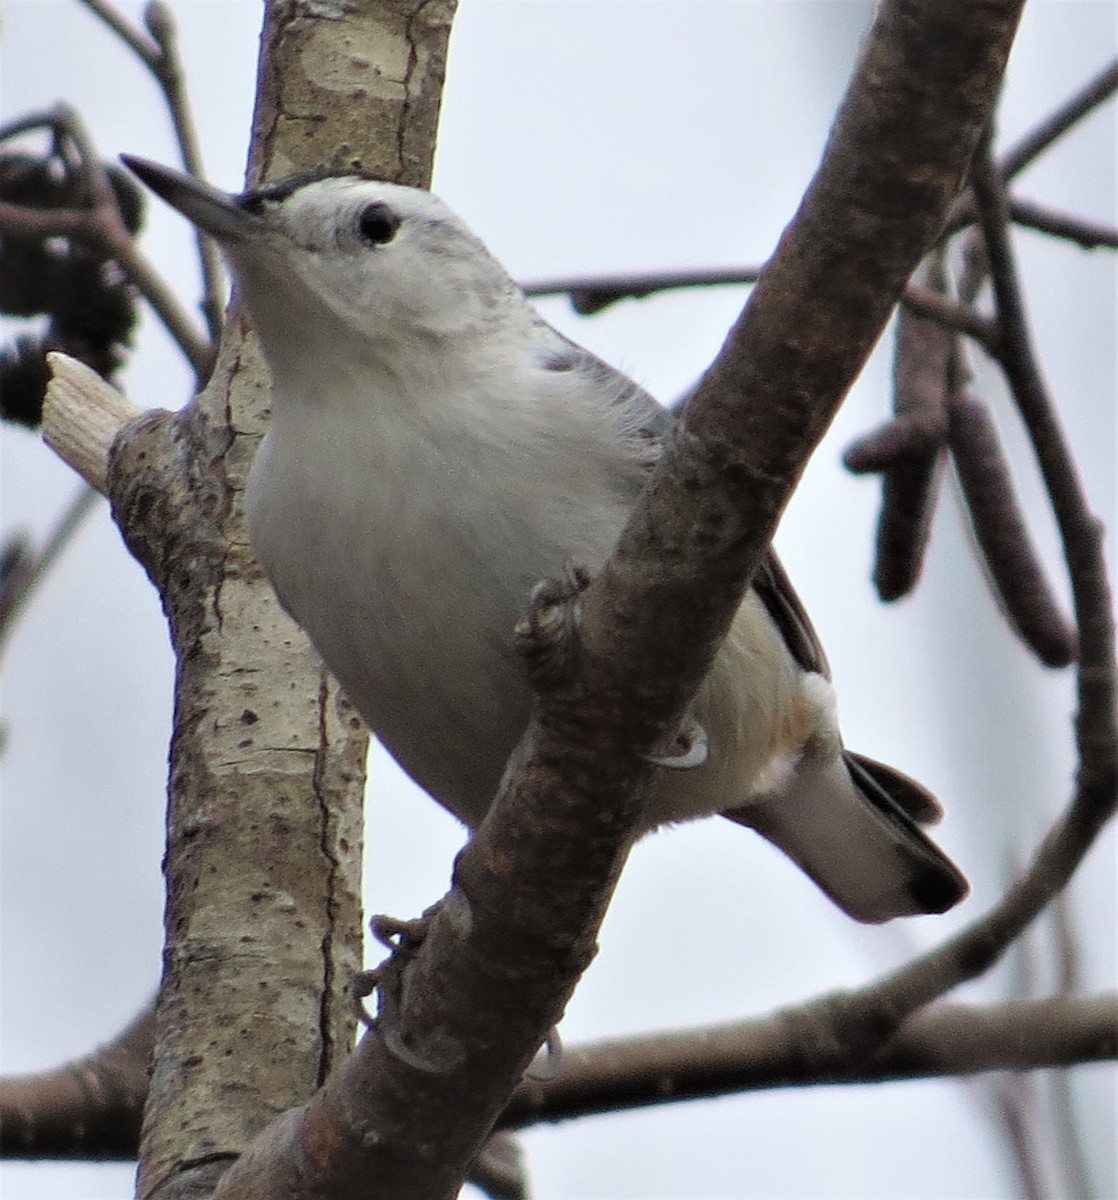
(642, 418)
(637, 412)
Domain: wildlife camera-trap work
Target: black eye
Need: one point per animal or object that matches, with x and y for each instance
(377, 223)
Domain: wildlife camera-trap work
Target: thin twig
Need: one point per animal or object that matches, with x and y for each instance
(591, 294)
(1015, 572)
(1068, 1134)
(68, 524)
(908, 449)
(1081, 532)
(977, 947)
(147, 52)
(1073, 110)
(1013, 1105)
(168, 70)
(1088, 234)
(198, 349)
(160, 56)
(31, 122)
(1095, 92)
(951, 314)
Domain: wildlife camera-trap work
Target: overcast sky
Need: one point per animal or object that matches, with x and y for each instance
(582, 137)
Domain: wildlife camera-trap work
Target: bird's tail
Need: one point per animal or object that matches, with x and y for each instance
(852, 824)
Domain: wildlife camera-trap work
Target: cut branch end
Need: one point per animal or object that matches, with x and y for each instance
(82, 415)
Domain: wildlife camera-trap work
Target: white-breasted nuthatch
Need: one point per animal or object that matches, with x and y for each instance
(435, 450)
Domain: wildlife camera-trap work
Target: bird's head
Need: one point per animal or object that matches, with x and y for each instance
(333, 260)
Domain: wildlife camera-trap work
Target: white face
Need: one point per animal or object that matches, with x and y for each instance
(352, 256)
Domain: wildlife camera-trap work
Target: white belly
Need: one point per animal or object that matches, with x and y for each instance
(410, 595)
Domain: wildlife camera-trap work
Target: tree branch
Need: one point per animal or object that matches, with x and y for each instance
(793, 1049)
(88, 1108)
(903, 451)
(954, 315)
(591, 294)
(160, 56)
(1088, 234)
(626, 1073)
(32, 569)
(1096, 723)
(1095, 92)
(1015, 572)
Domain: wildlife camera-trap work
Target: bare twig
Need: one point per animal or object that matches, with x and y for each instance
(160, 56)
(1040, 139)
(1073, 110)
(37, 566)
(952, 314)
(591, 294)
(908, 450)
(1088, 234)
(1068, 1135)
(168, 70)
(147, 52)
(198, 349)
(1080, 530)
(898, 449)
(791, 1048)
(1013, 1104)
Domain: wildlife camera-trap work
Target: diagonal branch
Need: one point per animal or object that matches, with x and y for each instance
(1093, 93)
(147, 52)
(34, 569)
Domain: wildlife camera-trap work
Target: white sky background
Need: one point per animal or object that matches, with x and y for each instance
(583, 137)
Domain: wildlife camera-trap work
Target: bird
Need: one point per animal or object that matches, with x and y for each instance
(435, 449)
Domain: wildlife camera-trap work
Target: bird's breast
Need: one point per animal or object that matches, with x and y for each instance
(407, 560)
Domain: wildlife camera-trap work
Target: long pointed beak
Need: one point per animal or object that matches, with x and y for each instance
(213, 211)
